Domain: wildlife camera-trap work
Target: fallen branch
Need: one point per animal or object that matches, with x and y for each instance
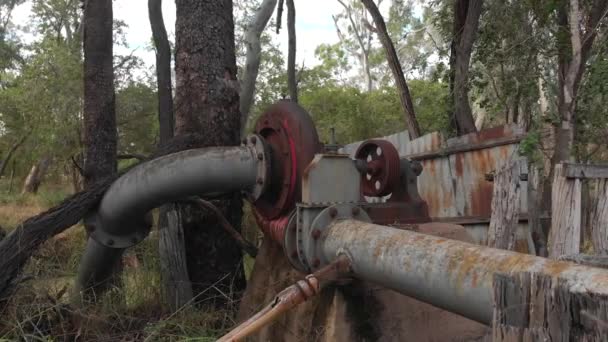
(247, 246)
(17, 247)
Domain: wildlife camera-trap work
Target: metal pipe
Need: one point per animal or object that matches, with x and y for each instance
(95, 270)
(119, 220)
(452, 275)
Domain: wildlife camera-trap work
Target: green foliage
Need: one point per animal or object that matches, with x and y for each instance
(137, 118)
(529, 146)
(592, 128)
(358, 115)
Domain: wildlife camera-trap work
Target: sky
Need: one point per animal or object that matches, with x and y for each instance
(314, 26)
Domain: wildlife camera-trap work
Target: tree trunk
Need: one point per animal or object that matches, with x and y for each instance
(163, 70)
(177, 289)
(292, 81)
(252, 63)
(571, 67)
(36, 175)
(207, 103)
(10, 153)
(11, 179)
(100, 138)
(466, 22)
(395, 65)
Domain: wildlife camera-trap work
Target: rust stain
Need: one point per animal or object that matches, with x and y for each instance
(474, 279)
(458, 164)
(493, 133)
(554, 268)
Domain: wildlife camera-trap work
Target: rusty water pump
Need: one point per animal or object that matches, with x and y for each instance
(322, 206)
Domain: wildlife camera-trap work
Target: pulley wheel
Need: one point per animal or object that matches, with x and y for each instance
(382, 167)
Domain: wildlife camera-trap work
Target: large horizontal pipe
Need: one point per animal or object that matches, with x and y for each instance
(452, 275)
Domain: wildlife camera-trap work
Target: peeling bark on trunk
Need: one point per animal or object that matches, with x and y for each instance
(292, 81)
(466, 22)
(207, 103)
(252, 63)
(395, 65)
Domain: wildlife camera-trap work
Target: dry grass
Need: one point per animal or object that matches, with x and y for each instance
(41, 310)
(11, 214)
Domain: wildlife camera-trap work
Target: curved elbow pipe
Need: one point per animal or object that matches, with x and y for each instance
(119, 221)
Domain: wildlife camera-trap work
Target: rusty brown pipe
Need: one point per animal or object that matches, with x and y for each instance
(289, 298)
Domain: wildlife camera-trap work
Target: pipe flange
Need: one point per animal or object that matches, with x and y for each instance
(95, 230)
(290, 243)
(260, 152)
(311, 239)
(292, 140)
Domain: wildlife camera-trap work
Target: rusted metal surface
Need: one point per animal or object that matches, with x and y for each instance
(453, 178)
(453, 275)
(292, 138)
(382, 169)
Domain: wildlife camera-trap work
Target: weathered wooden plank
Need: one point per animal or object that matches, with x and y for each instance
(533, 307)
(572, 170)
(505, 207)
(534, 195)
(177, 287)
(599, 218)
(587, 259)
(564, 236)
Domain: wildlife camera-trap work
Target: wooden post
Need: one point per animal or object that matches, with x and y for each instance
(565, 237)
(599, 217)
(176, 282)
(532, 307)
(534, 210)
(505, 207)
